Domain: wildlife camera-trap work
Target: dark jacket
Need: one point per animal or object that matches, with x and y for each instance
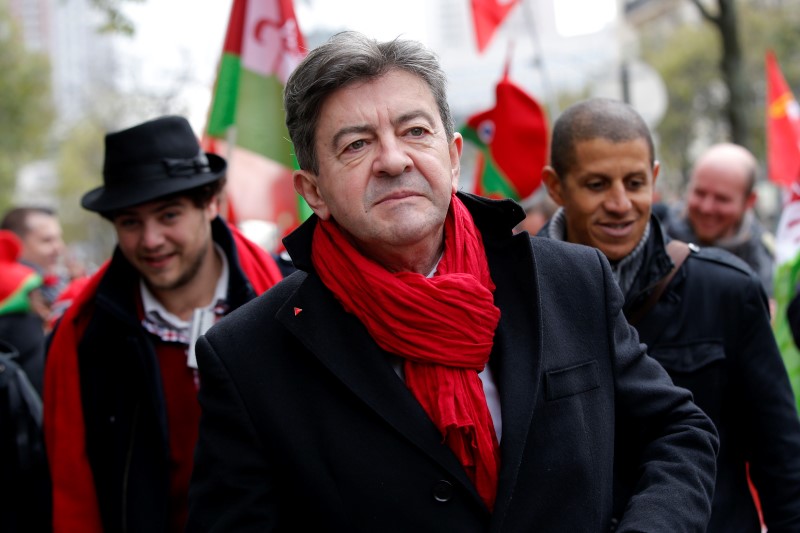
(123, 400)
(752, 243)
(711, 331)
(25, 332)
(306, 426)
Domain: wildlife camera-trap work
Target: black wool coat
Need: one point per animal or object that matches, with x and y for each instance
(711, 332)
(306, 426)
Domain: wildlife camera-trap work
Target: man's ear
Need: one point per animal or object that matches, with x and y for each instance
(305, 183)
(456, 146)
(750, 201)
(656, 170)
(216, 204)
(553, 183)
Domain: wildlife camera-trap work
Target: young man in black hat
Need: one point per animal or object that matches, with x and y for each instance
(705, 320)
(121, 381)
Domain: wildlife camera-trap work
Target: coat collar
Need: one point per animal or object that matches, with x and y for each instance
(494, 218)
(655, 265)
(343, 345)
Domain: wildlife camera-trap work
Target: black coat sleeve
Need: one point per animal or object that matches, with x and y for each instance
(773, 440)
(676, 463)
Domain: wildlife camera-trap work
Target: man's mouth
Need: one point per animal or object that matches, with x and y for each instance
(616, 229)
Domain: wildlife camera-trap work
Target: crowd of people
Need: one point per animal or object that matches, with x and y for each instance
(429, 359)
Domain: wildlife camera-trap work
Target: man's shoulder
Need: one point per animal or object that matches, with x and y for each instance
(543, 245)
(720, 265)
(558, 260)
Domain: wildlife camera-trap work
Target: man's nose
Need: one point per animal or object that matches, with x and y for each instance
(706, 204)
(617, 200)
(392, 158)
(152, 236)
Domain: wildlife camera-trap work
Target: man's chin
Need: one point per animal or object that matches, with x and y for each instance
(161, 283)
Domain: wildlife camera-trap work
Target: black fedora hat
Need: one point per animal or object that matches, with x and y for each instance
(158, 158)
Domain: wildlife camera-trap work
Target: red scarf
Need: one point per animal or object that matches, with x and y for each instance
(74, 498)
(442, 326)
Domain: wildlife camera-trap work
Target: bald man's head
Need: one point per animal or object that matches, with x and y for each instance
(721, 190)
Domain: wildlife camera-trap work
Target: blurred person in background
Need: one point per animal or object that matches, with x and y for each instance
(703, 313)
(24, 481)
(42, 244)
(22, 309)
(718, 210)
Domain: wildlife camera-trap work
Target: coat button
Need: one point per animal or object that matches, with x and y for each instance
(613, 526)
(442, 491)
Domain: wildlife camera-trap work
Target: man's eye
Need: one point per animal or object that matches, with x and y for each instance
(416, 132)
(356, 145)
(126, 222)
(594, 185)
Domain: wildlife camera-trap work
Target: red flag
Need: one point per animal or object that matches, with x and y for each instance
(487, 15)
(783, 127)
(513, 140)
(246, 123)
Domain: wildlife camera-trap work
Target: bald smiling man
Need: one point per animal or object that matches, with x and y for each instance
(718, 209)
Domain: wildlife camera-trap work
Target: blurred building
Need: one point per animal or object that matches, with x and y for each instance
(81, 60)
(80, 57)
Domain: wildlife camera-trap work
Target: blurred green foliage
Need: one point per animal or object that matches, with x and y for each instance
(26, 109)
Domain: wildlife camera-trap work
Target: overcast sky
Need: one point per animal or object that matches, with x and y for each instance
(178, 34)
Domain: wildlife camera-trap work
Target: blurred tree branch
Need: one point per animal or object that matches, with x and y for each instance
(732, 67)
(116, 21)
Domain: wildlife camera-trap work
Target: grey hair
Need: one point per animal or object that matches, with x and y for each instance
(346, 58)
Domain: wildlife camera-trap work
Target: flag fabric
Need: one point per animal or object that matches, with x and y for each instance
(787, 276)
(783, 161)
(512, 139)
(487, 15)
(783, 127)
(246, 122)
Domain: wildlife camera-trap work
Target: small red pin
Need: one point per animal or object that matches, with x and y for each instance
(297, 311)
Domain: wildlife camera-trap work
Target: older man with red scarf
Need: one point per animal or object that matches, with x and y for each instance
(426, 368)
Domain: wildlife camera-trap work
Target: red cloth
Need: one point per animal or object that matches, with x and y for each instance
(183, 419)
(783, 127)
(74, 497)
(513, 139)
(487, 15)
(442, 326)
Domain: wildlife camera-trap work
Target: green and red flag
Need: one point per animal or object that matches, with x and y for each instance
(783, 162)
(487, 15)
(513, 140)
(246, 122)
(783, 127)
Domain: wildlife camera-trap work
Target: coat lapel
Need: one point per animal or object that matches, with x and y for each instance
(342, 344)
(517, 356)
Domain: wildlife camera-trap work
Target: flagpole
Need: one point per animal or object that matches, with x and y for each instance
(552, 104)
